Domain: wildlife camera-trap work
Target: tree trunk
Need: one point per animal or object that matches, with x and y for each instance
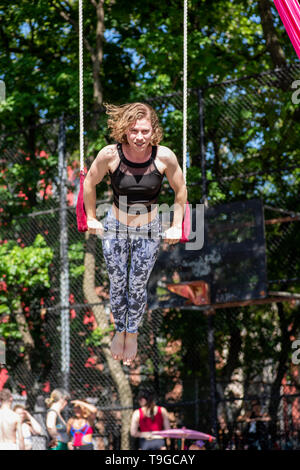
(217, 160)
(97, 59)
(233, 361)
(270, 34)
(96, 53)
(282, 368)
(117, 373)
(235, 344)
(26, 372)
(31, 142)
(26, 336)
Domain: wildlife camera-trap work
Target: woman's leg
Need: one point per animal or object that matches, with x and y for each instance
(115, 252)
(144, 253)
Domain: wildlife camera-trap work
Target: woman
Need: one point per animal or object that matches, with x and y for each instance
(149, 417)
(257, 429)
(81, 426)
(30, 426)
(136, 165)
(56, 425)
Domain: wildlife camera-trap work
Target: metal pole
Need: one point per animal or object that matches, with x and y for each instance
(196, 402)
(212, 369)
(202, 145)
(64, 261)
(155, 354)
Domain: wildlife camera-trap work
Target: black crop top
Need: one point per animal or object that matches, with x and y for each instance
(140, 183)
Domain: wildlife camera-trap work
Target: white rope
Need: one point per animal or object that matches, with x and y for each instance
(81, 124)
(185, 67)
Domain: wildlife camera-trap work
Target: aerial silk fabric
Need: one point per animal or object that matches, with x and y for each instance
(186, 225)
(80, 209)
(289, 11)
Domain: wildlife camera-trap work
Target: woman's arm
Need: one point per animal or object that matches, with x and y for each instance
(95, 175)
(166, 422)
(20, 436)
(86, 405)
(175, 177)
(51, 424)
(35, 426)
(69, 425)
(134, 427)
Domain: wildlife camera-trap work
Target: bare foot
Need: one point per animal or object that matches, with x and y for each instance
(117, 345)
(130, 348)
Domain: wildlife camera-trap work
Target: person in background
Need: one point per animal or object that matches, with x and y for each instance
(256, 435)
(11, 437)
(149, 417)
(80, 426)
(30, 426)
(56, 425)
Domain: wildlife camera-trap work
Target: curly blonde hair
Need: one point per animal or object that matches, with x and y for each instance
(56, 395)
(120, 118)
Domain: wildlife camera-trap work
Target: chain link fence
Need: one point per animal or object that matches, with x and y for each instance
(210, 371)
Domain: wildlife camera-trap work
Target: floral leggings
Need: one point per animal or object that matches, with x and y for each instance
(130, 254)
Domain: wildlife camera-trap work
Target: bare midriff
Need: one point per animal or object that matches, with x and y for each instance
(134, 220)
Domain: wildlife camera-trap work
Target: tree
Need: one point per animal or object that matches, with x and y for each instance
(24, 273)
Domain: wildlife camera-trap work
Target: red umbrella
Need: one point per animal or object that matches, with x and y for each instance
(183, 434)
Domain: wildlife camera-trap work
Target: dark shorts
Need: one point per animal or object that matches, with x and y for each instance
(155, 444)
(84, 447)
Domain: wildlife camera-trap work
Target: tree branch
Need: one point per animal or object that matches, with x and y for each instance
(94, 3)
(270, 34)
(66, 16)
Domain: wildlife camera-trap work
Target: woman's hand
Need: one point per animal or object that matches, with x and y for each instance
(95, 227)
(91, 408)
(172, 235)
(53, 443)
(75, 402)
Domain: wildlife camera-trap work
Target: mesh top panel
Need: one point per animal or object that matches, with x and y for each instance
(139, 182)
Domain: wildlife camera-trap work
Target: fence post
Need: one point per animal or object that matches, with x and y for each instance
(156, 358)
(64, 261)
(212, 371)
(196, 402)
(202, 145)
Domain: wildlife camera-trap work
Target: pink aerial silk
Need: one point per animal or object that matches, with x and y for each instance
(80, 209)
(289, 11)
(186, 225)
